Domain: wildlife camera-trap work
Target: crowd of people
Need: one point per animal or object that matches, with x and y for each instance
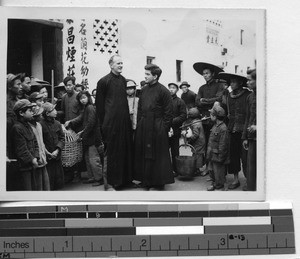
(131, 137)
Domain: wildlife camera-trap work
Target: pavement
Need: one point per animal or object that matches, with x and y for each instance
(198, 183)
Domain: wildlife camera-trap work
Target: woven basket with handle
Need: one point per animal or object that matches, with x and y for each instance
(72, 151)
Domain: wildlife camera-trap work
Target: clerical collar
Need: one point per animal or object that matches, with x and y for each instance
(153, 83)
(115, 75)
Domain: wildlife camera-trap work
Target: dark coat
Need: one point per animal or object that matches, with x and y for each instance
(11, 118)
(70, 107)
(218, 144)
(210, 92)
(236, 103)
(250, 116)
(25, 145)
(179, 113)
(189, 99)
(54, 138)
(53, 135)
(198, 138)
(152, 158)
(88, 120)
(113, 113)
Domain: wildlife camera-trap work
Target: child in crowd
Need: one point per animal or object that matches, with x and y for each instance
(79, 88)
(90, 137)
(54, 141)
(37, 98)
(133, 101)
(26, 147)
(197, 138)
(218, 148)
(43, 182)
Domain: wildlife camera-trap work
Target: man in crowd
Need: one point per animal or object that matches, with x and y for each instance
(249, 133)
(180, 114)
(113, 113)
(188, 96)
(152, 159)
(236, 104)
(70, 108)
(14, 91)
(208, 94)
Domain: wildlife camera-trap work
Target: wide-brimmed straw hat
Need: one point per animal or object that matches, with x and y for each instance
(229, 76)
(200, 66)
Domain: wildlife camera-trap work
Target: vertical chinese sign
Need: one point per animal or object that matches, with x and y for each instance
(84, 70)
(71, 50)
(88, 45)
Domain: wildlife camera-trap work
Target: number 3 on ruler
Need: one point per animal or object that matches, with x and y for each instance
(222, 241)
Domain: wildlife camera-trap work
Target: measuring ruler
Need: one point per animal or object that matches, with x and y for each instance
(142, 230)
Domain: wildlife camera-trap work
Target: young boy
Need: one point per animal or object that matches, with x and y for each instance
(197, 139)
(54, 141)
(218, 147)
(42, 181)
(133, 101)
(37, 98)
(25, 145)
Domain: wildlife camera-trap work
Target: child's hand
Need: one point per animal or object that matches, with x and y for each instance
(252, 129)
(67, 124)
(55, 153)
(245, 144)
(35, 163)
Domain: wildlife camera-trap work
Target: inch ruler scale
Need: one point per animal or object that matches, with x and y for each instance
(143, 230)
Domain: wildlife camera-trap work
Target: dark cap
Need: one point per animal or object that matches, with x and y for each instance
(38, 110)
(12, 77)
(184, 83)
(217, 111)
(193, 112)
(48, 107)
(35, 96)
(173, 84)
(130, 84)
(21, 104)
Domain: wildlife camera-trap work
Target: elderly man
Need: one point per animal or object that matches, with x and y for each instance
(208, 94)
(113, 113)
(152, 158)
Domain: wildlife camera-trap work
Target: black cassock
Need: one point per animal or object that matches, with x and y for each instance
(113, 113)
(152, 158)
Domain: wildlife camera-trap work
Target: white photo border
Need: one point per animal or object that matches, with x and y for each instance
(72, 12)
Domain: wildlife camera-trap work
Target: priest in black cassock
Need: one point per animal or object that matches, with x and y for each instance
(152, 158)
(113, 113)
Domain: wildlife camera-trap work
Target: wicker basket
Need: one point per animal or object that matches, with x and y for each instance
(72, 151)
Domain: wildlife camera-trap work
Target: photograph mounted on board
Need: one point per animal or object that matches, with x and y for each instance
(151, 103)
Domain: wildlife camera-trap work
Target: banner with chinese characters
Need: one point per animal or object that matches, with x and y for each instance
(87, 46)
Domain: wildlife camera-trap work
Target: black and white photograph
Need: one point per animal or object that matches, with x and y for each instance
(134, 103)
